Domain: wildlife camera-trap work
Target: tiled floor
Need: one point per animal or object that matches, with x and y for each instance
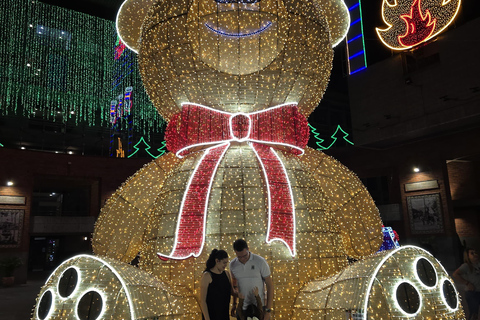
(17, 302)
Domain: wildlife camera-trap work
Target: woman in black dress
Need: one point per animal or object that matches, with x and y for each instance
(216, 287)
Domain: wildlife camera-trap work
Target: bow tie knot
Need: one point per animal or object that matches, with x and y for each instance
(197, 127)
(240, 126)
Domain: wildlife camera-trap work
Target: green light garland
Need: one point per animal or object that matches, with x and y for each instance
(316, 135)
(58, 64)
(147, 147)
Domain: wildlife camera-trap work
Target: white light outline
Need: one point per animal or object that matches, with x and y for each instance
(414, 267)
(118, 31)
(443, 280)
(395, 300)
(389, 26)
(180, 152)
(76, 287)
(104, 305)
(207, 198)
(292, 252)
(127, 292)
(342, 36)
(374, 273)
(230, 120)
(52, 306)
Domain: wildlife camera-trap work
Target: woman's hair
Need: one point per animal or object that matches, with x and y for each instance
(466, 257)
(215, 254)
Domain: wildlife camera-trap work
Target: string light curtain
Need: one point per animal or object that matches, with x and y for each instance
(60, 65)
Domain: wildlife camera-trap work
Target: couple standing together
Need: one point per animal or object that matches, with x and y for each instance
(248, 274)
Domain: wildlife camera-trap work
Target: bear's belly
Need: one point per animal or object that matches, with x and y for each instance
(335, 217)
(238, 208)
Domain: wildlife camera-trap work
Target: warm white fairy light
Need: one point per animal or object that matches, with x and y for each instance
(442, 281)
(415, 270)
(114, 282)
(103, 299)
(52, 306)
(334, 216)
(368, 290)
(75, 291)
(397, 305)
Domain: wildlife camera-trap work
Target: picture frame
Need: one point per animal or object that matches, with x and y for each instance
(12, 200)
(11, 226)
(425, 213)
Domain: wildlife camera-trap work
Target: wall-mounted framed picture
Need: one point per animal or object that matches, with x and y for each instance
(13, 200)
(425, 212)
(11, 225)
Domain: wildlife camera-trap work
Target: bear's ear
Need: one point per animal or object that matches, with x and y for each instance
(338, 18)
(130, 19)
(334, 12)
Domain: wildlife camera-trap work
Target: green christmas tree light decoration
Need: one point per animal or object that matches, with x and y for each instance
(333, 136)
(162, 149)
(316, 135)
(1, 145)
(146, 147)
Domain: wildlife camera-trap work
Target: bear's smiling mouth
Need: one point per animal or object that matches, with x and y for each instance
(228, 34)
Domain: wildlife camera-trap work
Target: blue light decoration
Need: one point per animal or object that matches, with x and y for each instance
(357, 59)
(147, 147)
(390, 239)
(128, 101)
(333, 136)
(122, 121)
(239, 35)
(113, 112)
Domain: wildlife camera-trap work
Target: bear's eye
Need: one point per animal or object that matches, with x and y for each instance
(237, 1)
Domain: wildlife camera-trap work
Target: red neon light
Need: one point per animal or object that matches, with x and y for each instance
(119, 49)
(419, 26)
(282, 219)
(191, 227)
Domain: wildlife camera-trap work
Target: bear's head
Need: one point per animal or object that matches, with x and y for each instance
(234, 55)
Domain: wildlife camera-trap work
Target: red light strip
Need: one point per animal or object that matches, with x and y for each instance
(281, 211)
(190, 235)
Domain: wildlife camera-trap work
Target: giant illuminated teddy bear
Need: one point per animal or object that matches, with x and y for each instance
(236, 81)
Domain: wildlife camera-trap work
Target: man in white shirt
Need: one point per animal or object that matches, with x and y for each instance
(249, 271)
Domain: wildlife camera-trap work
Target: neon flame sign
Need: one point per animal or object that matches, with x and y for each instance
(412, 22)
(419, 26)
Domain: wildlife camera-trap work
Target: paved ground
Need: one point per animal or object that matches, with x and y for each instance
(17, 302)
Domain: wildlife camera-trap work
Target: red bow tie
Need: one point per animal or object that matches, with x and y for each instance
(198, 127)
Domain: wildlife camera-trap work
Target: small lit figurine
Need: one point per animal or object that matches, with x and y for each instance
(390, 239)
